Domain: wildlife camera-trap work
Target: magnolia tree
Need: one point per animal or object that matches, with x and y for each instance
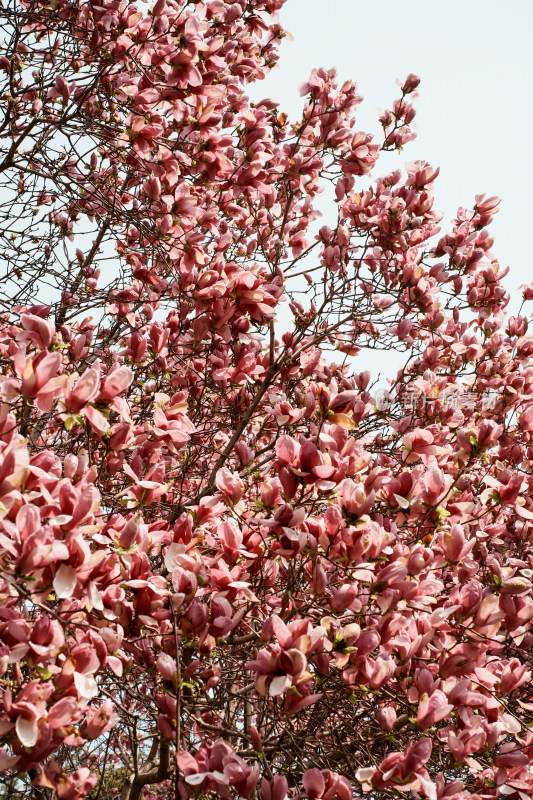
(229, 569)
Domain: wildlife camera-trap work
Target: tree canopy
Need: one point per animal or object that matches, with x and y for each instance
(230, 568)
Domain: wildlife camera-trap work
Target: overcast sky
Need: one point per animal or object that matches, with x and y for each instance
(475, 111)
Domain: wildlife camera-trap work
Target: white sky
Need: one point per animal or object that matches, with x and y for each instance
(475, 111)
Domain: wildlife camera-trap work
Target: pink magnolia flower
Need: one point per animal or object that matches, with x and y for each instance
(99, 720)
(230, 484)
(327, 784)
(85, 389)
(279, 667)
(386, 717)
(40, 377)
(275, 789)
(166, 666)
(355, 500)
(420, 444)
(404, 771)
(432, 709)
(37, 330)
(115, 382)
(68, 787)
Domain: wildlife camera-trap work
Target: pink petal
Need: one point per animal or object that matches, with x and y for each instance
(27, 731)
(65, 581)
